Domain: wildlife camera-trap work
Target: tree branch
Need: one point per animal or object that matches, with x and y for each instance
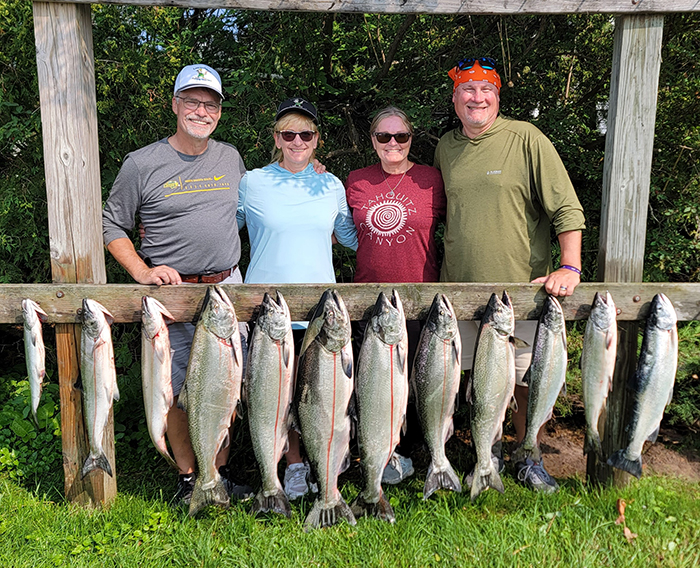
(395, 46)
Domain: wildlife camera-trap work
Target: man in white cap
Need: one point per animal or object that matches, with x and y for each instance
(184, 189)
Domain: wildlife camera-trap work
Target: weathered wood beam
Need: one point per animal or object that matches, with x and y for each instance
(436, 6)
(626, 177)
(66, 73)
(63, 302)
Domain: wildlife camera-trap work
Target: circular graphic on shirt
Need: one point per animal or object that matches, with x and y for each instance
(387, 218)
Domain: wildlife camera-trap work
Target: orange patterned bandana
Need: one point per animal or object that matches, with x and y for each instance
(475, 73)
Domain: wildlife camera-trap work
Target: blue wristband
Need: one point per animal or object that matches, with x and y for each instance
(572, 268)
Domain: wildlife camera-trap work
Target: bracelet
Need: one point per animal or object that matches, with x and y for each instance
(572, 268)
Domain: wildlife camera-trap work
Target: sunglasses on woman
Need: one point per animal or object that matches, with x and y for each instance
(290, 135)
(485, 62)
(400, 137)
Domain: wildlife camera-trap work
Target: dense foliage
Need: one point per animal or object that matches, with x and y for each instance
(556, 72)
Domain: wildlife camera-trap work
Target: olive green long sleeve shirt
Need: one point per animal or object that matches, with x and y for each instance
(504, 189)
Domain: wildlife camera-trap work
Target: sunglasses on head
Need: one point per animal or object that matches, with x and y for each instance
(400, 137)
(485, 62)
(290, 135)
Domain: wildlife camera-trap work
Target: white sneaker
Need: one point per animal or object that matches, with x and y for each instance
(295, 484)
(398, 469)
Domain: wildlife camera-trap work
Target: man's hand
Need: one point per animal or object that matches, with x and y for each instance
(158, 275)
(561, 282)
(123, 250)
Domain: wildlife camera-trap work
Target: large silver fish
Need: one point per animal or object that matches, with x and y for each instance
(211, 393)
(99, 380)
(545, 378)
(323, 391)
(491, 388)
(652, 383)
(435, 382)
(269, 386)
(381, 394)
(597, 366)
(156, 371)
(34, 352)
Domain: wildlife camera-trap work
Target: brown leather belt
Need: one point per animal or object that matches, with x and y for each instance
(207, 278)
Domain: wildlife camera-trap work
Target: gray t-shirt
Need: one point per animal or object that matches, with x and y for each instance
(186, 203)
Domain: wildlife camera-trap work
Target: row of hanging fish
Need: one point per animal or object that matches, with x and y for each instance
(319, 405)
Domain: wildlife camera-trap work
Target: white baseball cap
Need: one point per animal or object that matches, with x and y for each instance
(201, 76)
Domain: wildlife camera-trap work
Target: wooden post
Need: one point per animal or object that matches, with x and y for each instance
(66, 72)
(626, 177)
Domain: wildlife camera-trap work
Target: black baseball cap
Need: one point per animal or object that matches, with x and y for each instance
(297, 104)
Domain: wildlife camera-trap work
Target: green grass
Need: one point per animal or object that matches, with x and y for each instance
(575, 527)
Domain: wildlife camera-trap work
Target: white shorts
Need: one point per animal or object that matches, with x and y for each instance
(524, 330)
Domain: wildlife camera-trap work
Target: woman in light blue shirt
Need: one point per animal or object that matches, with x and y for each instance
(294, 215)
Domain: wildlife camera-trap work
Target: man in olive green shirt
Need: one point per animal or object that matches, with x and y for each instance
(505, 186)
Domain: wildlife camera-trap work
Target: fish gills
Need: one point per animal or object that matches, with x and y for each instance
(598, 366)
(491, 388)
(324, 388)
(156, 371)
(99, 380)
(34, 352)
(211, 393)
(269, 388)
(381, 393)
(652, 384)
(545, 378)
(435, 382)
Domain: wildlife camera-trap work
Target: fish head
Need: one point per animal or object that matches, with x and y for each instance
(95, 318)
(274, 318)
(499, 314)
(442, 319)
(388, 320)
(662, 313)
(335, 332)
(154, 316)
(552, 316)
(218, 315)
(32, 313)
(603, 311)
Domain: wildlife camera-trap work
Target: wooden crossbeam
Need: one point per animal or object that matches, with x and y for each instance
(63, 302)
(434, 6)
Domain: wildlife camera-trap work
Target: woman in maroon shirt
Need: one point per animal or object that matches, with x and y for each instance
(396, 206)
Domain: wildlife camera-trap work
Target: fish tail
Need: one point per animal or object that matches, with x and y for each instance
(97, 462)
(592, 443)
(201, 497)
(320, 517)
(381, 509)
(444, 479)
(277, 503)
(619, 461)
(522, 454)
(483, 481)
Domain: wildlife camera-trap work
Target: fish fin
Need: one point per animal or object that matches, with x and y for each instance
(513, 404)
(519, 343)
(456, 352)
(275, 503)
(401, 352)
(319, 517)
(609, 335)
(670, 395)
(78, 385)
(345, 464)
(562, 392)
(35, 418)
(468, 389)
(115, 393)
(450, 430)
(526, 377)
(286, 352)
(404, 425)
(346, 360)
(655, 434)
(592, 444)
(482, 482)
(235, 351)
(182, 398)
(441, 480)
(217, 495)
(96, 462)
(381, 509)
(619, 461)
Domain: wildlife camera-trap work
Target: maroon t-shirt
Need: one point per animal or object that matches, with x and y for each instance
(396, 220)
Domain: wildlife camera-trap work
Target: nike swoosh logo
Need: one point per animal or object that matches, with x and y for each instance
(218, 178)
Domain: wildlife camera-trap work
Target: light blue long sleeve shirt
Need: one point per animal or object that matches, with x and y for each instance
(290, 219)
